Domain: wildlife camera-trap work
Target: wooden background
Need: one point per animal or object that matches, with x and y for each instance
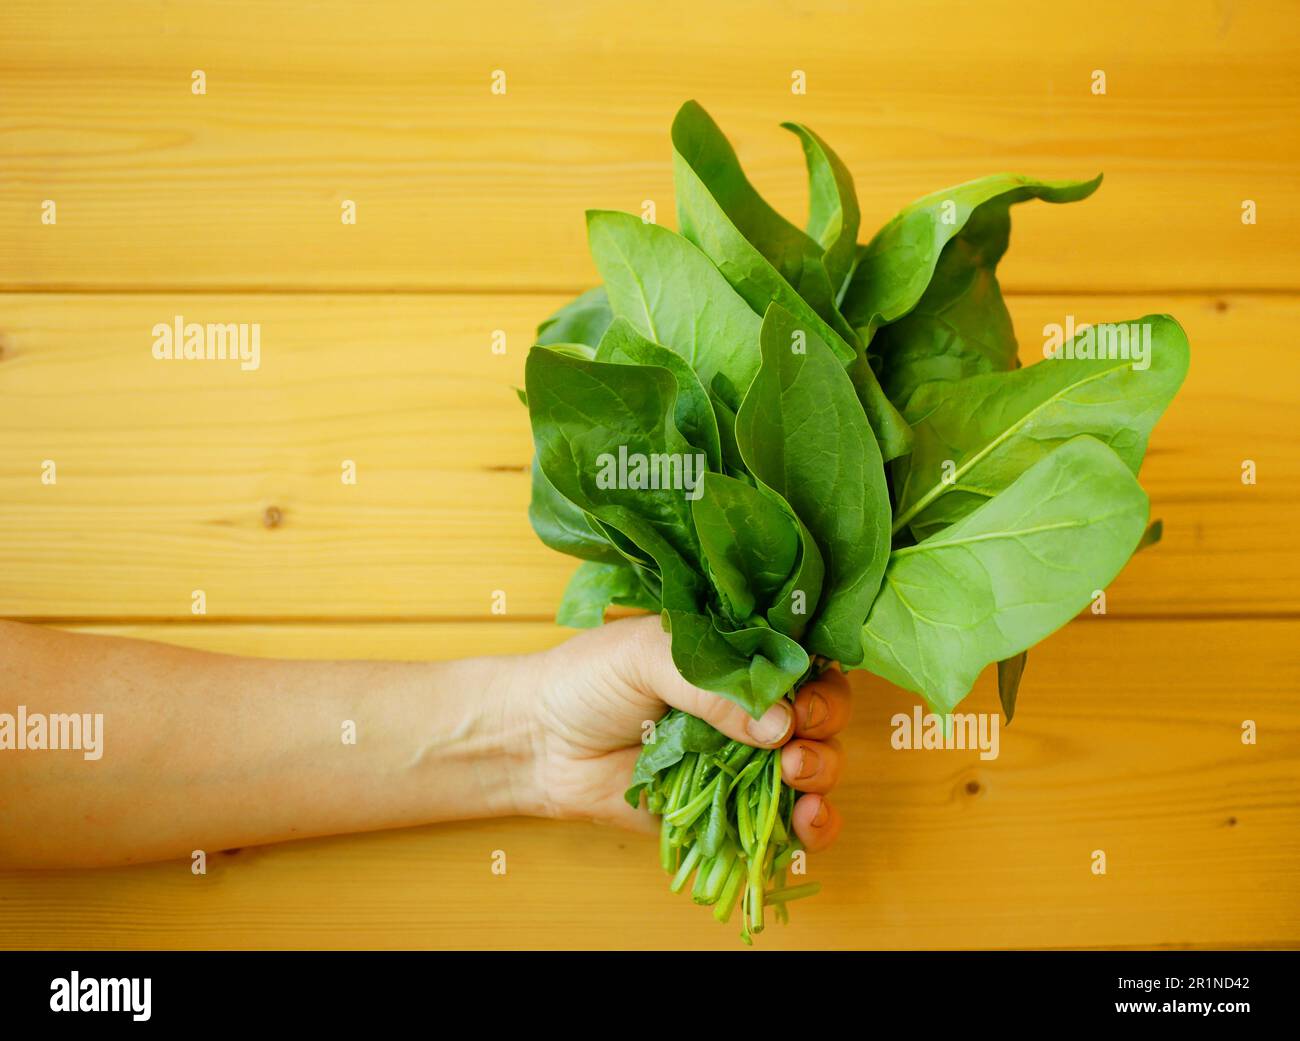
(376, 347)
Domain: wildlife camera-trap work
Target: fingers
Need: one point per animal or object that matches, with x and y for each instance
(816, 822)
(811, 766)
(822, 707)
(654, 673)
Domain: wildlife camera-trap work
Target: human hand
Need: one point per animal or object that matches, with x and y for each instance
(584, 705)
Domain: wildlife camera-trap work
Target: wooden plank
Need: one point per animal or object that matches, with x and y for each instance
(177, 476)
(389, 105)
(1127, 740)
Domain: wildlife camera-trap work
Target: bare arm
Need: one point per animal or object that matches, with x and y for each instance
(209, 751)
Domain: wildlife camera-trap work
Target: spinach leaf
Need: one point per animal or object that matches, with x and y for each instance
(594, 420)
(960, 326)
(750, 544)
(765, 257)
(833, 215)
(802, 433)
(1006, 575)
(974, 437)
(1010, 672)
(676, 735)
(694, 414)
(896, 267)
(753, 666)
(755, 248)
(732, 463)
(678, 576)
(1154, 533)
(594, 587)
(670, 292)
(564, 526)
(582, 320)
(796, 604)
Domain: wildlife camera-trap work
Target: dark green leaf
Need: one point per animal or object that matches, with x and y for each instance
(693, 413)
(749, 542)
(960, 326)
(764, 256)
(1010, 671)
(796, 604)
(589, 418)
(754, 667)
(1154, 533)
(562, 525)
(672, 293)
(802, 433)
(832, 206)
(756, 249)
(895, 268)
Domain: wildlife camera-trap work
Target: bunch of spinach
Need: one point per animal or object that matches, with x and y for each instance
(838, 458)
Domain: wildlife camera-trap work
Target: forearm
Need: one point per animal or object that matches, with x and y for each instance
(206, 751)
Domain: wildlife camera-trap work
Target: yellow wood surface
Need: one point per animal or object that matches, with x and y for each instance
(1202, 833)
(376, 348)
(167, 471)
(388, 104)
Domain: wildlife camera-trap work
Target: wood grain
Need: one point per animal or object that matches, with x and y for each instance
(177, 476)
(181, 476)
(311, 104)
(1127, 740)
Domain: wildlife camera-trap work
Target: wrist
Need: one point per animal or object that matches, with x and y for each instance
(521, 752)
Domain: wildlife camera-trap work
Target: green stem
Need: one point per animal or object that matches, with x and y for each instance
(730, 890)
(685, 816)
(688, 865)
(784, 896)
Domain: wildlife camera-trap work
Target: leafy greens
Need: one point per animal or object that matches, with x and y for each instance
(798, 449)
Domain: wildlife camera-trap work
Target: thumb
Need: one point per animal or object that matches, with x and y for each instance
(652, 672)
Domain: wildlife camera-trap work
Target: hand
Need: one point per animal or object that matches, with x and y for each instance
(585, 704)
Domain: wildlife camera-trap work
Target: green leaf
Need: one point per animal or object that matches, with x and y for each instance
(1005, 576)
(732, 462)
(694, 415)
(564, 526)
(679, 577)
(594, 587)
(582, 320)
(589, 417)
(960, 326)
(674, 736)
(671, 293)
(764, 256)
(802, 433)
(755, 248)
(754, 666)
(796, 604)
(974, 437)
(749, 542)
(1154, 533)
(832, 206)
(895, 268)
(1010, 671)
